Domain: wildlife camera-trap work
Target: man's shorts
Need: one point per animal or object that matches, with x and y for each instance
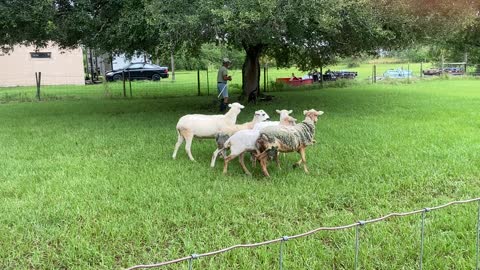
(220, 87)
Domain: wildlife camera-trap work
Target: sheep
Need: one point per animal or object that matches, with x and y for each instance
(283, 117)
(204, 126)
(258, 118)
(245, 141)
(287, 139)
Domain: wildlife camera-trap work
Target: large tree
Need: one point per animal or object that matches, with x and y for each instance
(306, 33)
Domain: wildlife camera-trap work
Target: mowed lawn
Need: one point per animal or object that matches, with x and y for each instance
(90, 183)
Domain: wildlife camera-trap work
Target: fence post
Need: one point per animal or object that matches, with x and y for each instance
(280, 258)
(124, 88)
(408, 72)
(38, 79)
(357, 242)
(198, 81)
(130, 83)
(478, 237)
(208, 84)
(321, 76)
(265, 78)
(422, 236)
(190, 261)
(374, 73)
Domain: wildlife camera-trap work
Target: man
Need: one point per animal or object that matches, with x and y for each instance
(222, 79)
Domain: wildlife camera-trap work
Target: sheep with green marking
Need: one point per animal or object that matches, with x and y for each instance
(287, 139)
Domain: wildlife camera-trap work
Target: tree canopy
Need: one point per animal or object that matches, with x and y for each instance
(309, 34)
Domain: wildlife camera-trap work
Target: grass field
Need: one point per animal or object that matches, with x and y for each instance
(90, 183)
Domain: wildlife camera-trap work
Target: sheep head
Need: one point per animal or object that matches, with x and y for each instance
(235, 108)
(312, 115)
(284, 114)
(260, 116)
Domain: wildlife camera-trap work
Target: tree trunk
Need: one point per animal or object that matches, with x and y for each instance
(251, 72)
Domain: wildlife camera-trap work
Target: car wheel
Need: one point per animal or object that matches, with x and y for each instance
(117, 77)
(156, 77)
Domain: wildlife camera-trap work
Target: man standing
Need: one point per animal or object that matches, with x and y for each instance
(222, 80)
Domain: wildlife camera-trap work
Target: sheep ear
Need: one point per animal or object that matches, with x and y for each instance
(241, 106)
(319, 113)
(305, 112)
(229, 105)
(289, 112)
(278, 111)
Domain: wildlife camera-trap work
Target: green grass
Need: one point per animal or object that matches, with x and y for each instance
(90, 183)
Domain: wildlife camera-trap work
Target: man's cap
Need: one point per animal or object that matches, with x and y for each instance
(226, 60)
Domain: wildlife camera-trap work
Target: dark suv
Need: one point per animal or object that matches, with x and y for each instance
(138, 71)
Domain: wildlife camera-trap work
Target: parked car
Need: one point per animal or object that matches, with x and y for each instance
(138, 71)
(343, 74)
(432, 72)
(454, 70)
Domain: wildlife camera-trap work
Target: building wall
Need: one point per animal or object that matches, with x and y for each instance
(18, 68)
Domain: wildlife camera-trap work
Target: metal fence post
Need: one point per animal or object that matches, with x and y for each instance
(198, 81)
(208, 84)
(357, 242)
(130, 83)
(124, 88)
(38, 79)
(478, 237)
(280, 258)
(190, 261)
(422, 235)
(265, 78)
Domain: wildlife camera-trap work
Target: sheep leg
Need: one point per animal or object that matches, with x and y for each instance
(263, 163)
(177, 145)
(214, 157)
(304, 160)
(253, 159)
(278, 161)
(242, 163)
(226, 161)
(188, 145)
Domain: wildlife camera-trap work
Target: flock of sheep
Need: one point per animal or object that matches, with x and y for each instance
(264, 139)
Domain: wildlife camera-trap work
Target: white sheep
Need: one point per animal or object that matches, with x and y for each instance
(259, 117)
(283, 117)
(204, 126)
(287, 139)
(245, 141)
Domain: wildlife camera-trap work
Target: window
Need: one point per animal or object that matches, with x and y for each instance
(150, 66)
(41, 54)
(135, 66)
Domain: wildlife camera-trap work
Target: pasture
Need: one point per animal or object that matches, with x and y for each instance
(90, 183)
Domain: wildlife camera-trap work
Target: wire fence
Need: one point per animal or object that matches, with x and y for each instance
(49, 86)
(357, 225)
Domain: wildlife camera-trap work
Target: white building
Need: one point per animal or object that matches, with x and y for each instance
(58, 67)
